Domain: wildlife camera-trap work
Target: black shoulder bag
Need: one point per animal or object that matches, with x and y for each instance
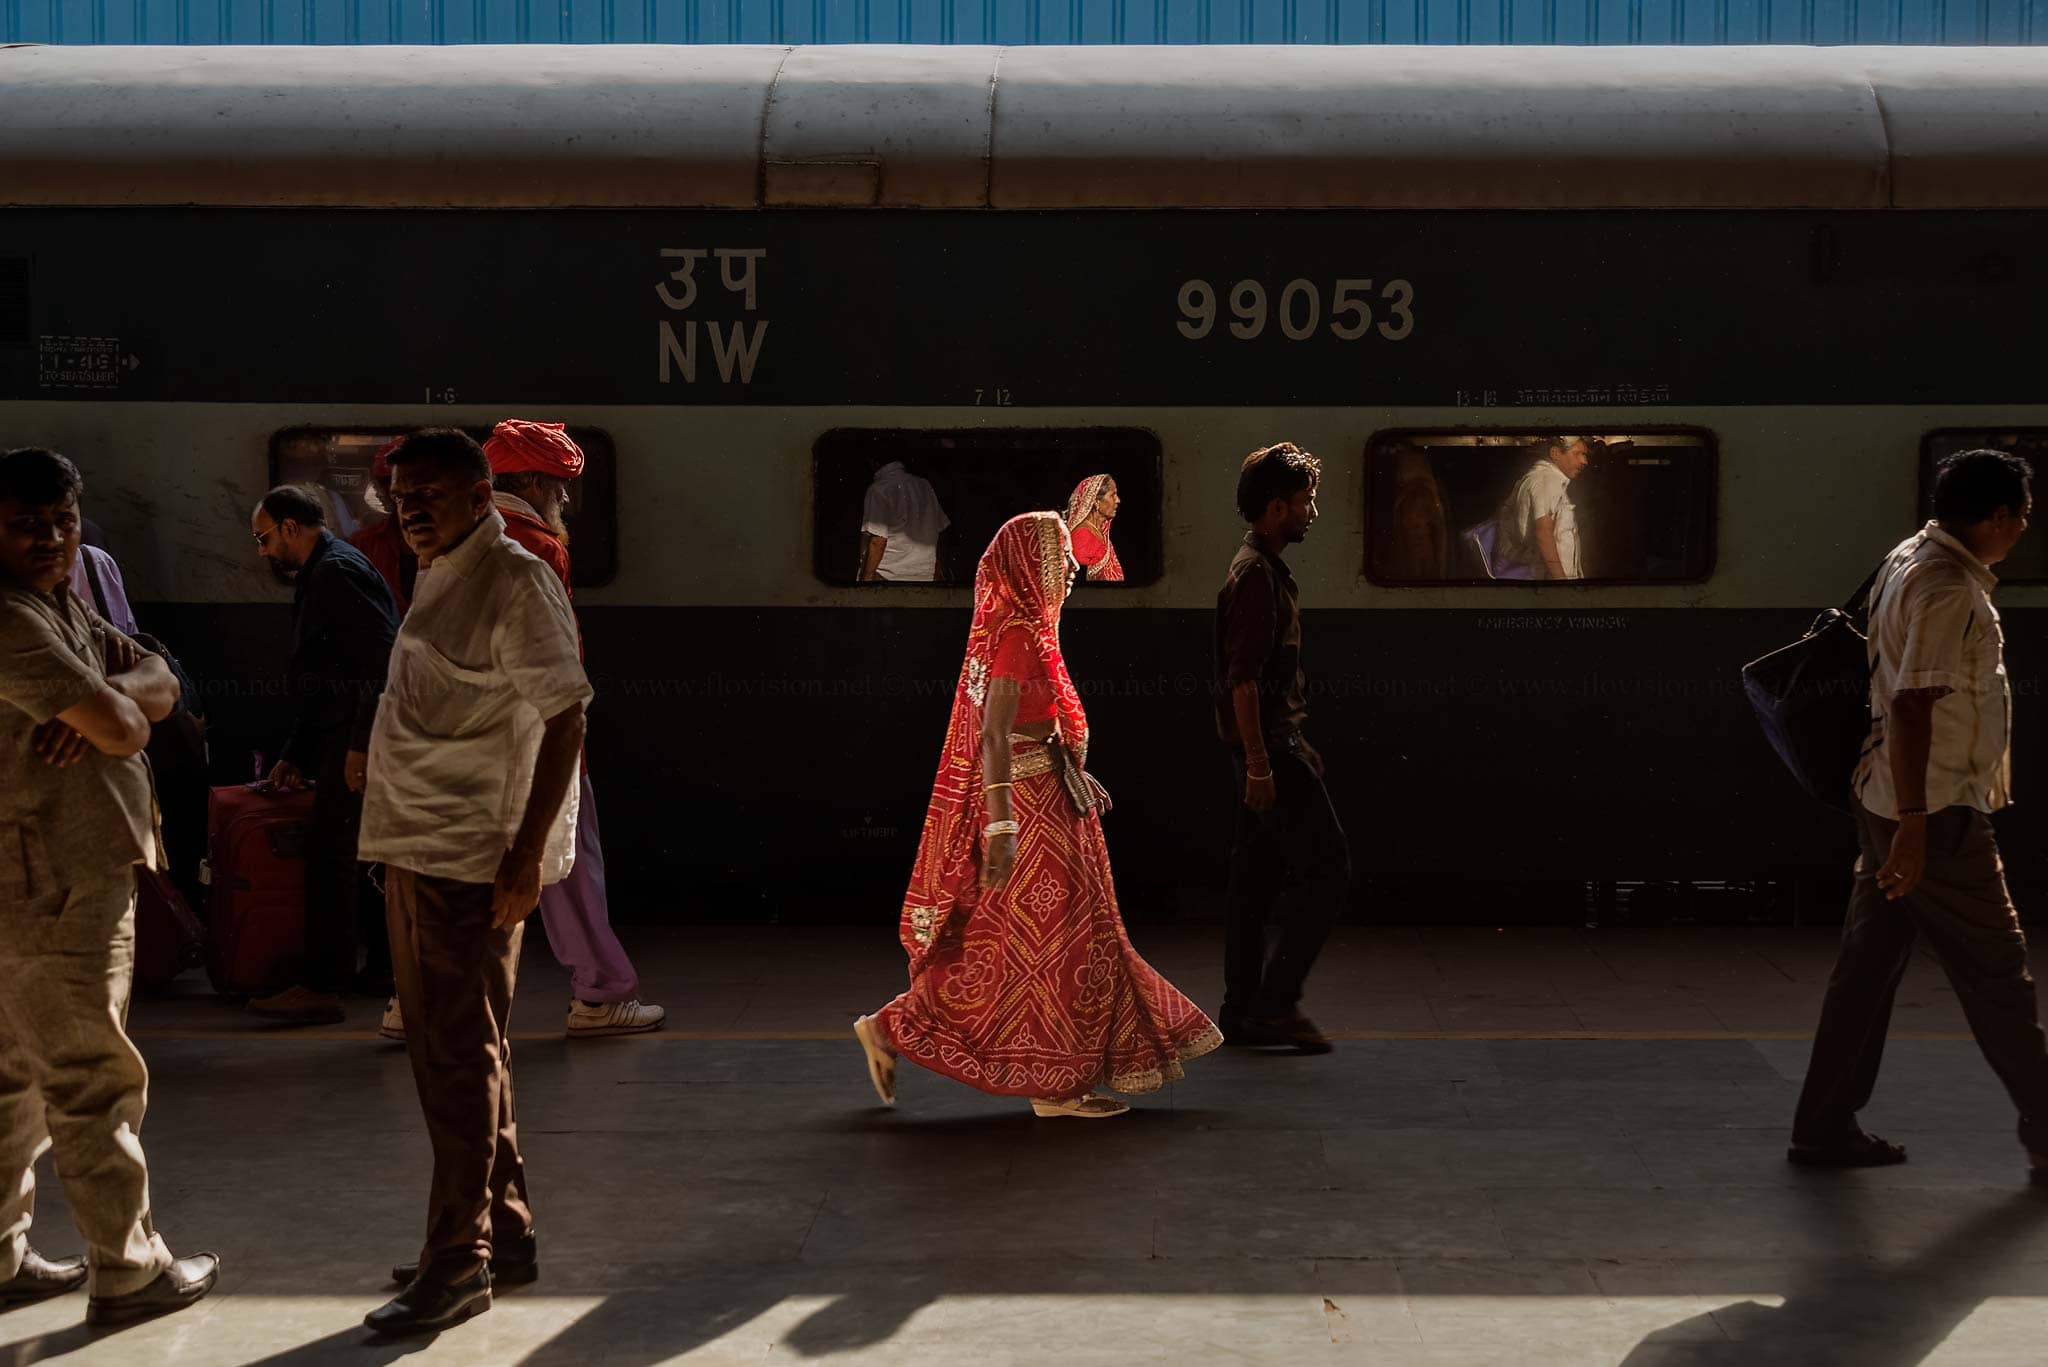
(1812, 699)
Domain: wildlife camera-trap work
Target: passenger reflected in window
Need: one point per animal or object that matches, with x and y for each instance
(1418, 534)
(1090, 511)
(901, 521)
(1538, 525)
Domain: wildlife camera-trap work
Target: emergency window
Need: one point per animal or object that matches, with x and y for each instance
(1533, 507)
(338, 460)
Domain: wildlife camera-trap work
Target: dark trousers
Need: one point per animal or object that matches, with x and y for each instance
(1962, 907)
(342, 915)
(1290, 868)
(455, 975)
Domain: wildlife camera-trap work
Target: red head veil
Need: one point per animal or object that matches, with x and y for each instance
(1079, 505)
(1019, 586)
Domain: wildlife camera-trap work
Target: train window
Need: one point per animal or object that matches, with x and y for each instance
(1530, 507)
(2026, 563)
(338, 460)
(918, 507)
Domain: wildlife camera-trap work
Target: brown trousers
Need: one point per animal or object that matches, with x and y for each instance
(455, 974)
(1962, 907)
(71, 1078)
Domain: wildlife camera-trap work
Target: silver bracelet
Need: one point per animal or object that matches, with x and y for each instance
(996, 828)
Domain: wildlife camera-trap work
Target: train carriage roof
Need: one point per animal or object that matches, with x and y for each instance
(1026, 127)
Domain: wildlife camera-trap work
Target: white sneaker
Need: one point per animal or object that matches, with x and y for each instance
(629, 1017)
(393, 1024)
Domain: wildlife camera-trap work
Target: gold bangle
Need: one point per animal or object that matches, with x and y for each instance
(991, 787)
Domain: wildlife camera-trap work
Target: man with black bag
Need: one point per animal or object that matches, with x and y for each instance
(1935, 766)
(343, 623)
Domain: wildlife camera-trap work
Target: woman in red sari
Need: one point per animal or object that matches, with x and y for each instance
(1022, 980)
(1090, 510)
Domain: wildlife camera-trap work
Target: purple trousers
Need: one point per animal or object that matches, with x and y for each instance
(579, 919)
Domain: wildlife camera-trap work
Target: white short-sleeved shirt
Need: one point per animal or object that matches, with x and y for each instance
(486, 655)
(1543, 491)
(1932, 625)
(904, 511)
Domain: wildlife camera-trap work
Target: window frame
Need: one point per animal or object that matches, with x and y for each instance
(1385, 437)
(1145, 447)
(585, 572)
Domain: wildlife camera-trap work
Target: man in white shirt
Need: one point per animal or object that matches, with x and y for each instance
(900, 524)
(1937, 764)
(471, 807)
(1538, 526)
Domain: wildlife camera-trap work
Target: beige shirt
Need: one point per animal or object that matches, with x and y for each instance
(1932, 625)
(61, 827)
(1544, 491)
(486, 655)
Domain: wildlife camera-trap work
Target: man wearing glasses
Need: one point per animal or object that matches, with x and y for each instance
(343, 623)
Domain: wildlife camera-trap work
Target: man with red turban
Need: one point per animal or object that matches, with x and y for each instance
(532, 466)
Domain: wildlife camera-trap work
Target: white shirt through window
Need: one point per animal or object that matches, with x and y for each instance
(1543, 491)
(1932, 625)
(485, 656)
(903, 509)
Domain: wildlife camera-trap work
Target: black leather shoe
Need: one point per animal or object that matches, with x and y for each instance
(427, 1307)
(516, 1265)
(1294, 1031)
(180, 1284)
(41, 1278)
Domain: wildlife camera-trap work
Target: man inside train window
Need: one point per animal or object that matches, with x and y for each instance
(1538, 525)
(900, 525)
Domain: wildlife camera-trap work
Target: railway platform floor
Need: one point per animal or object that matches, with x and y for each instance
(1532, 1147)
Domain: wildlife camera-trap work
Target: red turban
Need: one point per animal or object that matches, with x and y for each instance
(517, 445)
(380, 464)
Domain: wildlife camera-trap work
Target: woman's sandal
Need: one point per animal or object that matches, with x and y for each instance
(881, 1059)
(1860, 1150)
(1092, 1106)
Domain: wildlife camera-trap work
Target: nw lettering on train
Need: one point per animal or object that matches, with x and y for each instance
(735, 345)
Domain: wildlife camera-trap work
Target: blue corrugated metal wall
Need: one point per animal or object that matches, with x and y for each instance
(1024, 21)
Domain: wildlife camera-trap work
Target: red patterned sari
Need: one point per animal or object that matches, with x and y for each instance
(1031, 988)
(1094, 550)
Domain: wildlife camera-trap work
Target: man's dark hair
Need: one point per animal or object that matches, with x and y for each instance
(298, 503)
(1281, 470)
(38, 477)
(449, 450)
(1970, 486)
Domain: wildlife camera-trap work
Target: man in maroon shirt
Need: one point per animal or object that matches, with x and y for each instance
(1289, 861)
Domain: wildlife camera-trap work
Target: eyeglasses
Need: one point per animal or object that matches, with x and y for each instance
(264, 535)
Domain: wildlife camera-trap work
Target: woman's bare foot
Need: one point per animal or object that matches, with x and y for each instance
(881, 1057)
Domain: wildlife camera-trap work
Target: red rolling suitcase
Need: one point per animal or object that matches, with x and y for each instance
(255, 887)
(168, 937)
